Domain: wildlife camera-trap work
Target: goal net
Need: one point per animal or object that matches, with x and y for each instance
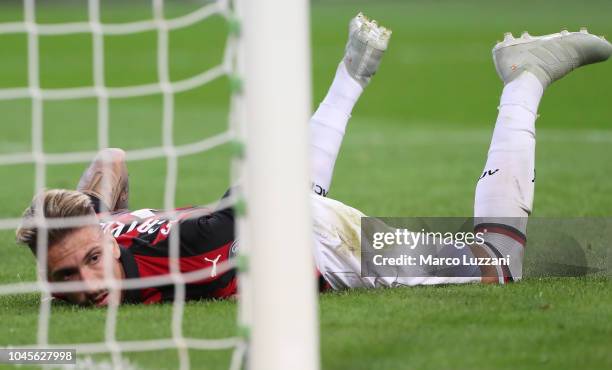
(266, 64)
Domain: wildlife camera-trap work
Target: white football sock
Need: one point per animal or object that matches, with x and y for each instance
(328, 125)
(506, 186)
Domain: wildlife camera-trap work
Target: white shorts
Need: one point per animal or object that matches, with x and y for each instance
(337, 250)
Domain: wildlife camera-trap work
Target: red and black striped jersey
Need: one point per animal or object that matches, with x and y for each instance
(205, 240)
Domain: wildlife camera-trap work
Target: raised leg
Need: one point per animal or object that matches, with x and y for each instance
(366, 45)
(505, 190)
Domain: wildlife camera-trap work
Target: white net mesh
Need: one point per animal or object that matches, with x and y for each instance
(169, 150)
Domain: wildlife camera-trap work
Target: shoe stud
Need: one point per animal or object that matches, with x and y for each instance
(584, 30)
(525, 35)
(362, 17)
(565, 32)
(508, 36)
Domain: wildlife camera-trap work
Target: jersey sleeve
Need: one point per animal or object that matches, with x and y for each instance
(208, 232)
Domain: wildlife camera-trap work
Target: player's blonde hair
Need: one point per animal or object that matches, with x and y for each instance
(56, 204)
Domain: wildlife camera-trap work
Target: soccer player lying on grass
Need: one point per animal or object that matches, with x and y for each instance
(139, 241)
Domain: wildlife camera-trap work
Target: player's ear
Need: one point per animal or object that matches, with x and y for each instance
(116, 250)
(114, 245)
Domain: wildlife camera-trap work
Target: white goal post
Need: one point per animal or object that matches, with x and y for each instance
(267, 60)
(281, 301)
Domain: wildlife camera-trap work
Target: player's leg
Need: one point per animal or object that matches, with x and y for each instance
(366, 45)
(504, 194)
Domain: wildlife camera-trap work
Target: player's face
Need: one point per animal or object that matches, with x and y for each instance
(80, 257)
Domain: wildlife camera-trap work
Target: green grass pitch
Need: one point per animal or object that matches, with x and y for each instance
(415, 146)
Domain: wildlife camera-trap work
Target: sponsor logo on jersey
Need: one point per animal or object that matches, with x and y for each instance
(148, 226)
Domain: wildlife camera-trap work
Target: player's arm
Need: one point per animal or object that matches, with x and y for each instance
(208, 232)
(106, 179)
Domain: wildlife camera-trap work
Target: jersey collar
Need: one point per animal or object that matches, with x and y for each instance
(131, 272)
